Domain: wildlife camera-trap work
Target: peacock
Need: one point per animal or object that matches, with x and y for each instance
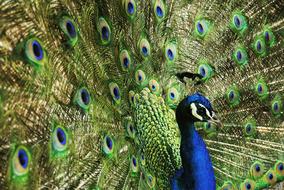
(132, 94)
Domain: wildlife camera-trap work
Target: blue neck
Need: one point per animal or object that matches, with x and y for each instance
(198, 171)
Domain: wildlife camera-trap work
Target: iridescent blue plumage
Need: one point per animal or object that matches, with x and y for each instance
(197, 172)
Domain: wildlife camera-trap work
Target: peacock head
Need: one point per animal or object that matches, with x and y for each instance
(195, 108)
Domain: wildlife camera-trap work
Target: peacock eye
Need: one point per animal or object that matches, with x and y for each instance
(151, 181)
(172, 97)
(145, 49)
(250, 128)
(202, 27)
(104, 30)
(279, 168)
(259, 47)
(233, 96)
(170, 52)
(270, 177)
(131, 97)
(140, 77)
(240, 56)
(133, 165)
(34, 52)
(115, 92)
(83, 98)
(269, 37)
(142, 160)
(228, 186)
(276, 105)
(257, 170)
(21, 161)
(59, 139)
(69, 28)
(154, 86)
(247, 185)
(261, 89)
(125, 60)
(108, 146)
(205, 70)
(159, 10)
(130, 129)
(238, 23)
(130, 7)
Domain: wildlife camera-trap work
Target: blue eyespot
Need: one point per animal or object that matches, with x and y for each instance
(202, 27)
(21, 161)
(70, 29)
(116, 93)
(125, 59)
(170, 54)
(61, 136)
(259, 88)
(108, 146)
(280, 167)
(140, 77)
(248, 186)
(134, 161)
(248, 128)
(134, 165)
(37, 50)
(145, 51)
(23, 158)
(231, 95)
(199, 27)
(257, 168)
(202, 71)
(276, 107)
(144, 46)
(154, 86)
(104, 30)
(237, 21)
(239, 55)
(258, 45)
(105, 33)
(159, 12)
(270, 176)
(109, 142)
(85, 96)
(171, 51)
(126, 62)
(172, 95)
(266, 35)
(159, 9)
(82, 98)
(130, 8)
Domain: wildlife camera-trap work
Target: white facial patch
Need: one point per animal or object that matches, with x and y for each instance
(194, 111)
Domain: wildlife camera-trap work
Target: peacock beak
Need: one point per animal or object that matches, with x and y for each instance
(214, 119)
